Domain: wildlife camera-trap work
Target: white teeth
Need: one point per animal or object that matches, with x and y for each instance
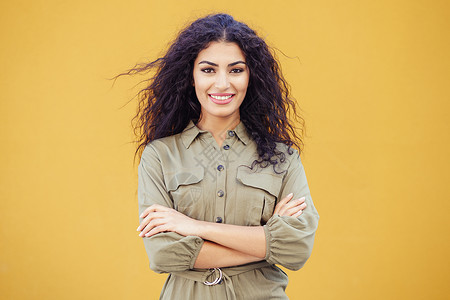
(221, 97)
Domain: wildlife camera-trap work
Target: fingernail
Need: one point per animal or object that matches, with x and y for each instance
(139, 228)
(290, 195)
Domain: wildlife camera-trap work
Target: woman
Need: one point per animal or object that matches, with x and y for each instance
(222, 195)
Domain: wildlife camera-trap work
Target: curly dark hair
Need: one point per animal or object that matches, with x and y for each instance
(169, 101)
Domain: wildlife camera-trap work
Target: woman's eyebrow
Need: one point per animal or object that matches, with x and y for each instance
(216, 65)
(237, 62)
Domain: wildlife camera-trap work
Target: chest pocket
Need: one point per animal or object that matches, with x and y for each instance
(186, 190)
(258, 192)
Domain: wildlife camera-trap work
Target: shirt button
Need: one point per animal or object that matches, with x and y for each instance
(220, 193)
(218, 220)
(220, 167)
(226, 147)
(230, 132)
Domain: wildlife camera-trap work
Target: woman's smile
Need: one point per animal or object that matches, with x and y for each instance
(221, 98)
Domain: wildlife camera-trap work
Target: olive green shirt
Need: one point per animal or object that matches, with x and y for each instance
(192, 174)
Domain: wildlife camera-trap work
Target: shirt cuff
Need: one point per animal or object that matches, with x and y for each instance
(199, 244)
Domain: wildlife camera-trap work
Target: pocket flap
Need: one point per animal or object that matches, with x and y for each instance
(184, 177)
(269, 182)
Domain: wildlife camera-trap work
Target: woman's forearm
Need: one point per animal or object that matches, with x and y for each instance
(250, 240)
(212, 255)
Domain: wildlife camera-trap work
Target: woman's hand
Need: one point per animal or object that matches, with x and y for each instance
(158, 218)
(289, 207)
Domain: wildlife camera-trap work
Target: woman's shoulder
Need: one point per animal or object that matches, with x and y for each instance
(164, 144)
(291, 157)
(166, 151)
(177, 140)
(289, 151)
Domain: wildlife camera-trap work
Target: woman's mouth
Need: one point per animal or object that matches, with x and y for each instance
(221, 98)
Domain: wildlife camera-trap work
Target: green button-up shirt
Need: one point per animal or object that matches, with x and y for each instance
(192, 174)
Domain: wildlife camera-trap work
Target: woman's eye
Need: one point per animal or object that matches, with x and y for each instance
(207, 70)
(237, 70)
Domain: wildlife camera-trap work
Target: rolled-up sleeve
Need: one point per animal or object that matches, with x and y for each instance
(167, 251)
(289, 240)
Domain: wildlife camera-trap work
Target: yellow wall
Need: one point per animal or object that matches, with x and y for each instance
(372, 78)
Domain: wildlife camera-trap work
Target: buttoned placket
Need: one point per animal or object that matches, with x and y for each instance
(222, 166)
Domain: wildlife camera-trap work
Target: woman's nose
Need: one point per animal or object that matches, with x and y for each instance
(222, 81)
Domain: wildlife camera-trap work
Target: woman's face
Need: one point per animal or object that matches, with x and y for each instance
(221, 78)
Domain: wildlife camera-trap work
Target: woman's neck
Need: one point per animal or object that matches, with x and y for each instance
(218, 127)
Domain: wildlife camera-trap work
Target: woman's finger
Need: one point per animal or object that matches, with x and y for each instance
(153, 224)
(145, 221)
(282, 202)
(154, 208)
(298, 214)
(291, 204)
(293, 210)
(156, 230)
(148, 218)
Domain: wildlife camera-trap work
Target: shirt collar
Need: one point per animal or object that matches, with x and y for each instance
(192, 131)
(241, 132)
